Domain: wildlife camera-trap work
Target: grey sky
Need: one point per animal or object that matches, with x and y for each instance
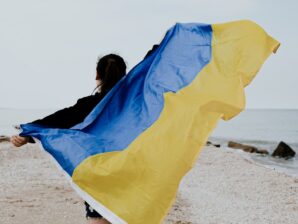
(48, 50)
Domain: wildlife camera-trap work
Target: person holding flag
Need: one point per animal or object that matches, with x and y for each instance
(127, 157)
(109, 70)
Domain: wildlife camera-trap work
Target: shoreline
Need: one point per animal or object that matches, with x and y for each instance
(223, 187)
(286, 166)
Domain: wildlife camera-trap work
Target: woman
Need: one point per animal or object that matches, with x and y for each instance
(109, 70)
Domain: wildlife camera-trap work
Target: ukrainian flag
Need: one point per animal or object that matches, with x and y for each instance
(127, 157)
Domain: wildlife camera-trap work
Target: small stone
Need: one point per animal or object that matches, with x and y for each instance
(263, 151)
(4, 138)
(245, 148)
(208, 143)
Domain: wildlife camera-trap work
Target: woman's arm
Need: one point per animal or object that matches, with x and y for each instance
(64, 119)
(70, 116)
(155, 46)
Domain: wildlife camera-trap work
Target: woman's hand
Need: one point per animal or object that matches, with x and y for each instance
(18, 141)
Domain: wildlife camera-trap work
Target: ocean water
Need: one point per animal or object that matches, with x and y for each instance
(261, 128)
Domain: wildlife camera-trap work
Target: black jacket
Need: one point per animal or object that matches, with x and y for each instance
(70, 116)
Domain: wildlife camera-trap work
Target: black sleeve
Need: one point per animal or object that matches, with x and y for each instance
(70, 116)
(155, 46)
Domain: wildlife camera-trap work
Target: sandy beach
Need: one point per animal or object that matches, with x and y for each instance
(222, 188)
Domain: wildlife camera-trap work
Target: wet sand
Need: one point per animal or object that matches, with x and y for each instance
(222, 188)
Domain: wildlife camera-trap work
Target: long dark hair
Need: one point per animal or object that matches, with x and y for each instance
(110, 69)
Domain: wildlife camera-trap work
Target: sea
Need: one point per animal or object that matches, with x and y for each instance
(262, 128)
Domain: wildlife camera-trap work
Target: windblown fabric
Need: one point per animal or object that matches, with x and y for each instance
(128, 156)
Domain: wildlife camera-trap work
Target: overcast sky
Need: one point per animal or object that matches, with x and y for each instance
(49, 49)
